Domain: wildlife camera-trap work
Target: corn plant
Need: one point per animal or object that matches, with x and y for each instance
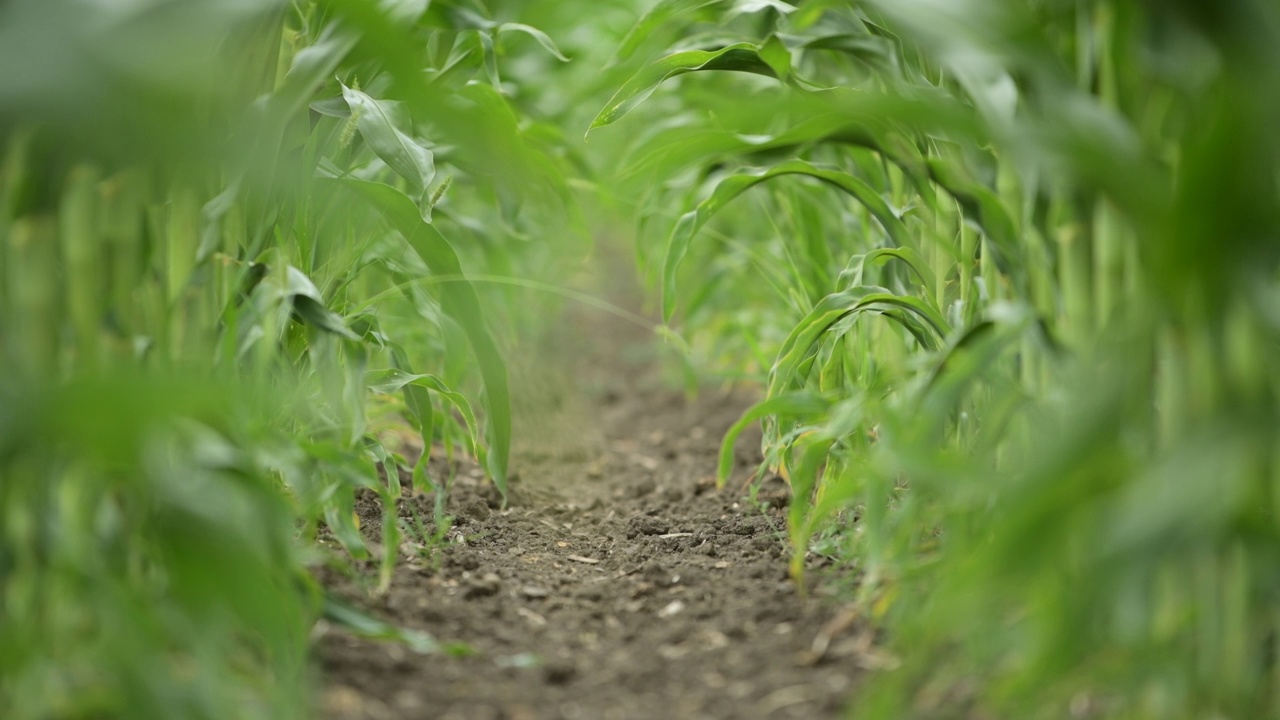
(235, 248)
(1006, 271)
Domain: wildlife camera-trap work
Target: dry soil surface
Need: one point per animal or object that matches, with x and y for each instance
(617, 583)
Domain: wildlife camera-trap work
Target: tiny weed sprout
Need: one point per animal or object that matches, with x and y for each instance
(1002, 275)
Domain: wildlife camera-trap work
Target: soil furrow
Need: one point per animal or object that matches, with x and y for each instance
(618, 583)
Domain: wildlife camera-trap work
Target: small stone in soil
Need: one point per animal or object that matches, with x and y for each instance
(533, 591)
(672, 609)
(482, 587)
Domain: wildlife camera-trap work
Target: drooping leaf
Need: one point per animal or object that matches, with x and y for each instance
(799, 403)
(776, 55)
(394, 380)
(489, 54)
(739, 57)
(873, 50)
(383, 125)
(540, 37)
(301, 295)
(796, 354)
(729, 188)
(853, 275)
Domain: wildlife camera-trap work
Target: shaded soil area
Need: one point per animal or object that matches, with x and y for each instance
(618, 583)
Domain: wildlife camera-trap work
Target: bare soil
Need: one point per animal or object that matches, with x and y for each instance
(617, 583)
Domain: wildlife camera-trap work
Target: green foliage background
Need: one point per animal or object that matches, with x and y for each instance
(1004, 270)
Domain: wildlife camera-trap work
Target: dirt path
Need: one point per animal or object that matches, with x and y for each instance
(618, 583)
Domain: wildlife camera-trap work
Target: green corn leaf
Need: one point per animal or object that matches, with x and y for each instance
(654, 18)
(406, 12)
(876, 52)
(739, 57)
(540, 37)
(776, 55)
(382, 124)
(923, 332)
(211, 218)
(459, 301)
(799, 403)
(876, 121)
(853, 275)
(339, 515)
(393, 380)
(421, 409)
(465, 44)
(813, 452)
(796, 355)
(733, 186)
(309, 305)
(461, 18)
(745, 7)
(335, 107)
(419, 402)
(390, 530)
(489, 54)
(311, 67)
(364, 625)
(984, 206)
(269, 290)
(921, 308)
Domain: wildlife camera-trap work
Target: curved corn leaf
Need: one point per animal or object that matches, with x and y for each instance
(922, 332)
(489, 54)
(303, 297)
(459, 301)
(776, 55)
(728, 189)
(921, 308)
(423, 413)
(871, 49)
(540, 37)
(393, 380)
(799, 403)
(796, 355)
(879, 121)
(853, 275)
(382, 124)
(739, 57)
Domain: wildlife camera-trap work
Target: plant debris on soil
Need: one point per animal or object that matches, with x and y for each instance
(617, 584)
